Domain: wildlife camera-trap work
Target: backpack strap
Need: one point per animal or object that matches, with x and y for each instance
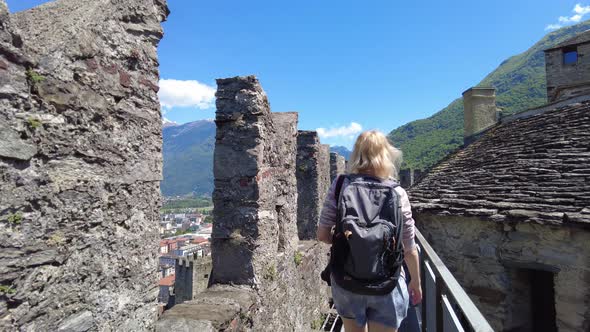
(339, 182)
(337, 192)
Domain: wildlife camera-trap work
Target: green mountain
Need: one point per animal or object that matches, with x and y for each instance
(519, 83)
(341, 150)
(188, 158)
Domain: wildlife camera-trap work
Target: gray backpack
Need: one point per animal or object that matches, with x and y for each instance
(367, 251)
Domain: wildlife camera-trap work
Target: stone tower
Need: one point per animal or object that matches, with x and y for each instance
(568, 68)
(192, 276)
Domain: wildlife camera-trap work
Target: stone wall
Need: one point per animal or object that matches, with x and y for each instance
(313, 181)
(567, 81)
(337, 165)
(255, 203)
(262, 276)
(324, 179)
(490, 260)
(80, 163)
(192, 277)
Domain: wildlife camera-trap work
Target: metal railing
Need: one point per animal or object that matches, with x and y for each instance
(445, 305)
(332, 323)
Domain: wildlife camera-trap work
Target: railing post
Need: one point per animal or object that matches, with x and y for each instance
(439, 304)
(423, 285)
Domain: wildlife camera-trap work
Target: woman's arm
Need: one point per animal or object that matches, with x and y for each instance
(410, 251)
(415, 286)
(328, 215)
(324, 234)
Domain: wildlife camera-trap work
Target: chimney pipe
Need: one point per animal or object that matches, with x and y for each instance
(480, 112)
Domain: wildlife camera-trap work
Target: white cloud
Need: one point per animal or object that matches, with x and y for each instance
(552, 27)
(167, 121)
(579, 12)
(177, 93)
(572, 19)
(352, 129)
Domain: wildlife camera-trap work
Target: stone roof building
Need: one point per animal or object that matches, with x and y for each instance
(568, 68)
(509, 213)
(534, 169)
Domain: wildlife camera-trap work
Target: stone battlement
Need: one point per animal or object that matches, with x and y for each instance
(313, 181)
(192, 260)
(259, 266)
(192, 277)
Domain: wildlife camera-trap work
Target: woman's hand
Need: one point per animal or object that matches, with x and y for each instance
(415, 290)
(324, 234)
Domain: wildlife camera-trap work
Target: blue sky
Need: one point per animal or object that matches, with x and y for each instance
(345, 66)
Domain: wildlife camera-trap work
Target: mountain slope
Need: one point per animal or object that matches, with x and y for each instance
(188, 158)
(519, 83)
(341, 150)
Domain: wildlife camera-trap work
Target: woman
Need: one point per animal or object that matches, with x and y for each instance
(375, 158)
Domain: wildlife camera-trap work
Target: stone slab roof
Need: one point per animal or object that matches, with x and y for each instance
(534, 169)
(581, 38)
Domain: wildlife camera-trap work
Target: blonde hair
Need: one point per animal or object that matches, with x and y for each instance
(374, 155)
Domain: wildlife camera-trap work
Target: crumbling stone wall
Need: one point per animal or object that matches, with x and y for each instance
(324, 179)
(80, 163)
(487, 259)
(313, 181)
(255, 188)
(192, 277)
(337, 165)
(262, 276)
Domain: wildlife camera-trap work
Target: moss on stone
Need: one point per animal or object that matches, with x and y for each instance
(317, 323)
(33, 77)
(270, 273)
(7, 289)
(34, 123)
(56, 239)
(15, 218)
(298, 258)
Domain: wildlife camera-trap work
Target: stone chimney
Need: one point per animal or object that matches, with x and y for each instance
(480, 112)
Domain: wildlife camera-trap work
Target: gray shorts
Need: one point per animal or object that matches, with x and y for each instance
(388, 310)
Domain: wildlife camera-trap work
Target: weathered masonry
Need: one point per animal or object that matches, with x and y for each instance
(480, 112)
(313, 181)
(568, 68)
(260, 268)
(337, 165)
(192, 277)
(80, 163)
(509, 214)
